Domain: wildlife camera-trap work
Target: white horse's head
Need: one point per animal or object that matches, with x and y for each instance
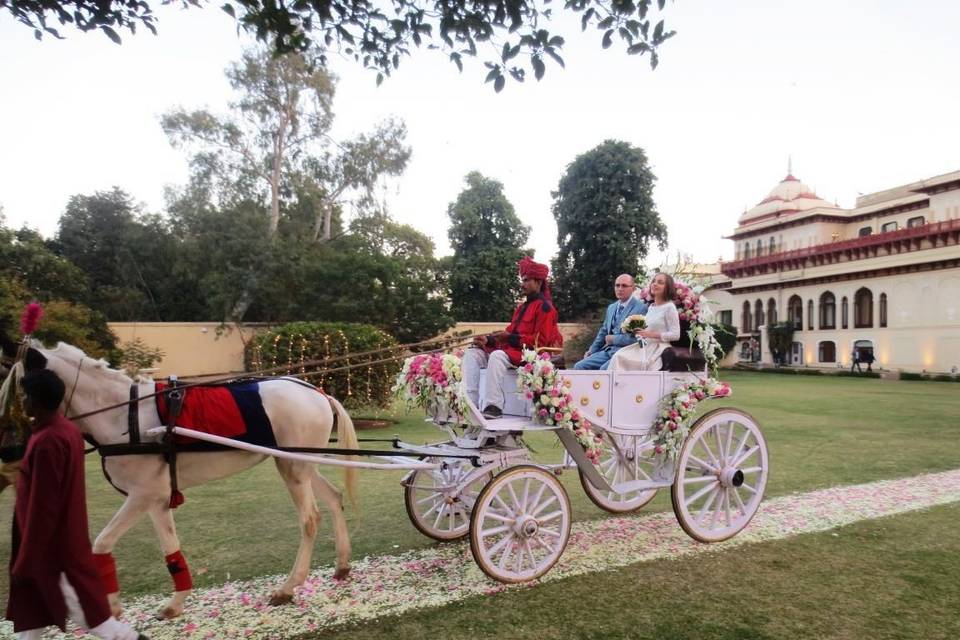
(90, 385)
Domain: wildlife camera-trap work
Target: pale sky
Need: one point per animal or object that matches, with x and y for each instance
(862, 94)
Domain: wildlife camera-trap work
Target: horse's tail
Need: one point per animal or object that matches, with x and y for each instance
(347, 438)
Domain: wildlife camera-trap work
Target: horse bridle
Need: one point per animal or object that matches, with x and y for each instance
(76, 380)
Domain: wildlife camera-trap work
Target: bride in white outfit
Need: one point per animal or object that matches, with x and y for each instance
(663, 327)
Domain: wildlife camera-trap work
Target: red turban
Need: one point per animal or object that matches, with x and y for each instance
(537, 271)
(531, 269)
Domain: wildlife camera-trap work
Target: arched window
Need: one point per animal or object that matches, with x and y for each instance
(746, 250)
(773, 245)
(863, 309)
(758, 315)
(844, 312)
(771, 311)
(810, 314)
(827, 352)
(883, 309)
(828, 311)
(746, 322)
(917, 221)
(795, 312)
(759, 247)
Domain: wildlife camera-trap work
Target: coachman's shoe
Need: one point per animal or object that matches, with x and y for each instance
(492, 412)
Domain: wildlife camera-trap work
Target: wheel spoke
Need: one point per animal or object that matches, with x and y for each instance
(498, 516)
(699, 479)
(741, 444)
(549, 531)
(726, 506)
(526, 495)
(543, 543)
(706, 466)
(550, 516)
(543, 505)
(505, 556)
(752, 469)
(699, 493)
(504, 505)
(513, 496)
(495, 531)
(432, 496)
(748, 488)
(706, 448)
(706, 507)
(721, 456)
(740, 505)
(726, 449)
(739, 461)
(436, 523)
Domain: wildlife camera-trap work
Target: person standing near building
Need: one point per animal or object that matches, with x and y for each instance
(52, 570)
(855, 361)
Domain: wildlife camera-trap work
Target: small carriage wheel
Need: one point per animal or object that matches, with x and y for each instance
(520, 524)
(722, 472)
(438, 506)
(625, 458)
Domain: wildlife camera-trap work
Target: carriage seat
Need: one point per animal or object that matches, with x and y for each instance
(681, 355)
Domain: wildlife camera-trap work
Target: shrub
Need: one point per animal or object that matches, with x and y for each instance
(856, 374)
(906, 375)
(292, 345)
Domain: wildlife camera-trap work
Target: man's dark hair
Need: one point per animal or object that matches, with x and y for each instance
(45, 388)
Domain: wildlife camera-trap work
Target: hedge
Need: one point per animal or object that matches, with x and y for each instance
(299, 342)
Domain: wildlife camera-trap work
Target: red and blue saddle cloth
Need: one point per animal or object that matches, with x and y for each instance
(231, 411)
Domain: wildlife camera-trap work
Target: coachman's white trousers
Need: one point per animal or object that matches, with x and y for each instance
(110, 629)
(496, 365)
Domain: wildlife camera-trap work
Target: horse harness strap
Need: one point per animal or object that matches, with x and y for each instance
(175, 398)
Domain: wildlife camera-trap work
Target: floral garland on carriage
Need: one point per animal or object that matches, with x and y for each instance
(433, 382)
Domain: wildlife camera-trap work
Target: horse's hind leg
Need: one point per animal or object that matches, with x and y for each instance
(163, 525)
(132, 508)
(341, 536)
(297, 476)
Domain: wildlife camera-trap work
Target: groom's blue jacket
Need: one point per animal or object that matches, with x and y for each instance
(620, 339)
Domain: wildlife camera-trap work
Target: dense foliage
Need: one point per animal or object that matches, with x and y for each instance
(293, 344)
(379, 35)
(606, 218)
(487, 239)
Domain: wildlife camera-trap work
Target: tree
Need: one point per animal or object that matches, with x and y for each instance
(30, 270)
(606, 218)
(129, 258)
(487, 239)
(379, 35)
(279, 133)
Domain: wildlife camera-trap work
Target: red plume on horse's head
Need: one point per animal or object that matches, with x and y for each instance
(30, 318)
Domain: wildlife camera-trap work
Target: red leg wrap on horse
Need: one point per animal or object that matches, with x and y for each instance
(177, 566)
(107, 568)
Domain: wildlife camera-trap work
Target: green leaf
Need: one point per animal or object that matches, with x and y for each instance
(493, 75)
(499, 83)
(228, 9)
(607, 39)
(111, 34)
(553, 54)
(538, 67)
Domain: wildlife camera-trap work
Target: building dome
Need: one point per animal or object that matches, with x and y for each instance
(790, 196)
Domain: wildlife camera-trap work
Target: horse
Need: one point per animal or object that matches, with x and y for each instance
(300, 415)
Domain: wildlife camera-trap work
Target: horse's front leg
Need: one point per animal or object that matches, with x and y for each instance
(297, 476)
(162, 518)
(131, 510)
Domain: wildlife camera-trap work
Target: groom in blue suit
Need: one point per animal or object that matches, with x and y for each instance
(610, 337)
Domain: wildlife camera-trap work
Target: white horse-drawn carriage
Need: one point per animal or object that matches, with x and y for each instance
(516, 511)
(480, 481)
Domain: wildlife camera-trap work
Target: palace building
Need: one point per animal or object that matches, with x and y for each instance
(881, 279)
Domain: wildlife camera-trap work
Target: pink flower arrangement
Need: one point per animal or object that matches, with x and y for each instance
(431, 381)
(686, 300)
(552, 404)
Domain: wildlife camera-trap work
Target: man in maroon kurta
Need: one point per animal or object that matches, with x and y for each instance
(52, 572)
(534, 325)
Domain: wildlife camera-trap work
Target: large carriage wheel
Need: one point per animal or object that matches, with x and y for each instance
(520, 524)
(437, 504)
(625, 458)
(721, 474)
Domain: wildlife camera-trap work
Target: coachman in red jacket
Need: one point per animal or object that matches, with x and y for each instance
(534, 325)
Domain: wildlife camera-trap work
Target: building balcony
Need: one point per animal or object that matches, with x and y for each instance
(935, 234)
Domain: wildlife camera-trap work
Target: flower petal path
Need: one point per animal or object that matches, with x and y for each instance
(390, 585)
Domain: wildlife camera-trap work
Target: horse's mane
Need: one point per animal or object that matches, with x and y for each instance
(75, 354)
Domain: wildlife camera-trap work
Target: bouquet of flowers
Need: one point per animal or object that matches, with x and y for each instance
(433, 382)
(636, 322)
(552, 404)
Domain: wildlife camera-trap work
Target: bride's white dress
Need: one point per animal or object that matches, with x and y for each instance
(645, 356)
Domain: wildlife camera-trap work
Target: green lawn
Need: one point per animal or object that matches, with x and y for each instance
(822, 431)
